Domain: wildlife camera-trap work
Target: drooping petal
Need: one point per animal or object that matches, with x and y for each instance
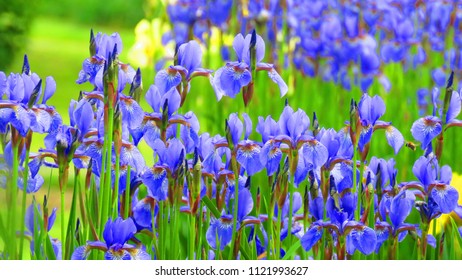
(139, 254)
(426, 129)
(80, 253)
(454, 107)
(142, 213)
(276, 78)
(50, 89)
(365, 240)
(132, 113)
(220, 229)
(248, 155)
(233, 77)
(167, 79)
(132, 156)
(446, 197)
(317, 208)
(245, 204)
(394, 138)
(154, 179)
(311, 237)
(315, 153)
(42, 121)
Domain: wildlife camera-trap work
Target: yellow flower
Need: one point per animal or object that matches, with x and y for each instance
(148, 43)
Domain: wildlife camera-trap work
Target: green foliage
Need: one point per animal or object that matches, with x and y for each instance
(121, 13)
(15, 21)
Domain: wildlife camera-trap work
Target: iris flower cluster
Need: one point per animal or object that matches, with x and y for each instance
(323, 196)
(348, 42)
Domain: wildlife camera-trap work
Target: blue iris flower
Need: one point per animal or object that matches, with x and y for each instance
(436, 183)
(116, 235)
(370, 111)
(340, 209)
(221, 228)
(230, 79)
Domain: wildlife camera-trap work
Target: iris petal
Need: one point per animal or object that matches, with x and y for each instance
(310, 238)
(365, 240)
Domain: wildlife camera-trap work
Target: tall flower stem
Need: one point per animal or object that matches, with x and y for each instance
(277, 256)
(24, 194)
(236, 198)
(355, 185)
(293, 167)
(107, 172)
(270, 251)
(13, 200)
(192, 237)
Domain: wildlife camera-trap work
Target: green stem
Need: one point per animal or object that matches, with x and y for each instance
(192, 237)
(14, 193)
(270, 251)
(277, 255)
(63, 227)
(107, 172)
(23, 206)
(291, 207)
(115, 195)
(127, 193)
(355, 185)
(236, 198)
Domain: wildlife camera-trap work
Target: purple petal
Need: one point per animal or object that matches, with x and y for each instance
(83, 115)
(248, 155)
(371, 108)
(153, 98)
(50, 89)
(132, 113)
(446, 197)
(233, 78)
(142, 214)
(221, 229)
(80, 253)
(315, 153)
(238, 45)
(394, 138)
(275, 77)
(245, 204)
(401, 206)
(247, 125)
(167, 79)
(426, 129)
(439, 77)
(454, 107)
(364, 240)
(311, 237)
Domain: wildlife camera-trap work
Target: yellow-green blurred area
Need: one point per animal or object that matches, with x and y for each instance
(56, 41)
